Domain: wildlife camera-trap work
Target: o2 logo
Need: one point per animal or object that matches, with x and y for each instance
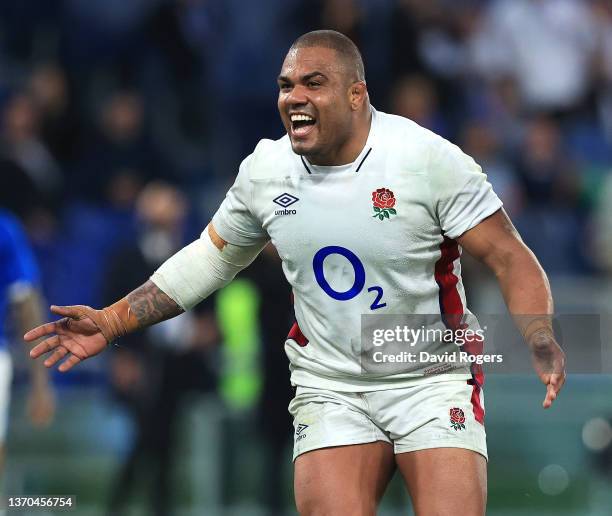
(360, 276)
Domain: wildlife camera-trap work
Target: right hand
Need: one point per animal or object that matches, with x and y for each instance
(549, 362)
(78, 336)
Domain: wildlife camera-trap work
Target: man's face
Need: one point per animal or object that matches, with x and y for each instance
(314, 102)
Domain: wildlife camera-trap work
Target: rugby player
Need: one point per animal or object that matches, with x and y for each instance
(20, 300)
(369, 213)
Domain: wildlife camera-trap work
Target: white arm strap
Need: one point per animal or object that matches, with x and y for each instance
(197, 270)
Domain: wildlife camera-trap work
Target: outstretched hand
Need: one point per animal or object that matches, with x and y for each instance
(77, 336)
(549, 363)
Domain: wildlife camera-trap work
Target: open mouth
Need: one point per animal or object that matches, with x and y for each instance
(302, 124)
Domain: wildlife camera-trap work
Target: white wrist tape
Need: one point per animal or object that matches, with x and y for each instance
(200, 268)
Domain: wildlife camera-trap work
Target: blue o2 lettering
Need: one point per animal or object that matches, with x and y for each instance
(360, 276)
(377, 304)
(317, 265)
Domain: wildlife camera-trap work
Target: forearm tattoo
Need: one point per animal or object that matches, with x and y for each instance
(150, 305)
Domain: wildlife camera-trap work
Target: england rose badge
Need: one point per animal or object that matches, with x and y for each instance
(457, 419)
(384, 202)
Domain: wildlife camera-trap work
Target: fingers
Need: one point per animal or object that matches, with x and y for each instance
(44, 346)
(40, 331)
(557, 380)
(553, 387)
(73, 312)
(551, 395)
(57, 355)
(70, 362)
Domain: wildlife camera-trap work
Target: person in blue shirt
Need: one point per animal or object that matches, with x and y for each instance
(20, 308)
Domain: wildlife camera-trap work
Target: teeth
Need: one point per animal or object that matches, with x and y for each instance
(299, 118)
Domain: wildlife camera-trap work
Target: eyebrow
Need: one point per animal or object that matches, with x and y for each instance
(304, 78)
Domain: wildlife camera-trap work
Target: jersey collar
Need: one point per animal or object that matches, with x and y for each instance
(353, 167)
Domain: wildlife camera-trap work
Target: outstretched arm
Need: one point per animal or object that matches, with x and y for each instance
(150, 305)
(526, 292)
(84, 332)
(180, 283)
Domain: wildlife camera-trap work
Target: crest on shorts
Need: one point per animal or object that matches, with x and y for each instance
(457, 419)
(383, 202)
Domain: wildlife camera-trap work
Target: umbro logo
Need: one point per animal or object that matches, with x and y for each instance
(285, 200)
(299, 432)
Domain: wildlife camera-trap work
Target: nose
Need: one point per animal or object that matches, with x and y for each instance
(297, 96)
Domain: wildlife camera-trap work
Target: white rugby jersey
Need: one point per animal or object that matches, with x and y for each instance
(345, 254)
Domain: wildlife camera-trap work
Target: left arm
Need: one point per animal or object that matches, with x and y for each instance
(526, 291)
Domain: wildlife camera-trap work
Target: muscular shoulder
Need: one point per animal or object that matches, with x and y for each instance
(270, 159)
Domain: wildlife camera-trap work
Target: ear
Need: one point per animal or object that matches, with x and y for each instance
(357, 94)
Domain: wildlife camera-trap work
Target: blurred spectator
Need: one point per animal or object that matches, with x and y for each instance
(31, 178)
(480, 141)
(427, 38)
(602, 230)
(182, 78)
(48, 87)
(29, 29)
(500, 104)
(345, 16)
(415, 97)
(409, 19)
(551, 223)
(119, 143)
(602, 13)
(18, 193)
(548, 174)
(123, 189)
(534, 41)
(23, 144)
(20, 303)
(152, 371)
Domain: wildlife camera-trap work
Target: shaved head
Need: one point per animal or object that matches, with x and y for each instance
(346, 50)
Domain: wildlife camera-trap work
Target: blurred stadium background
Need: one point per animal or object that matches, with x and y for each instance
(122, 124)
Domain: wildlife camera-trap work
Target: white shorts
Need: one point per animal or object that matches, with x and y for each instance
(446, 414)
(6, 377)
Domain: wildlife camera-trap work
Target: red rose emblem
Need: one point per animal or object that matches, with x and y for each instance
(457, 418)
(383, 198)
(457, 415)
(384, 202)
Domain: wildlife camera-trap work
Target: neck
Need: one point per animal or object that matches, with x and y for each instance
(350, 149)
